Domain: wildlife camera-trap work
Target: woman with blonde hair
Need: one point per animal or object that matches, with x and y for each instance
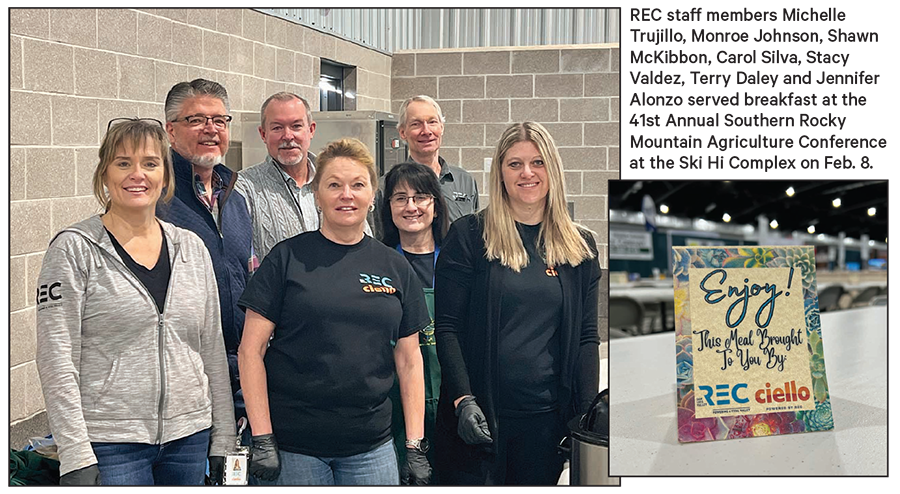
(130, 349)
(343, 312)
(516, 308)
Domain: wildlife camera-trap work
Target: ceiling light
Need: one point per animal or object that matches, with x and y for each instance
(726, 217)
(871, 243)
(790, 192)
(811, 229)
(836, 203)
(663, 209)
(821, 236)
(774, 224)
(871, 211)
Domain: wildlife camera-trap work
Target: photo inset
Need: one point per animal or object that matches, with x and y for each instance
(744, 309)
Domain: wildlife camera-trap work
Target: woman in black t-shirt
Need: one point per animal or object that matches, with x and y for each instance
(516, 311)
(414, 221)
(343, 312)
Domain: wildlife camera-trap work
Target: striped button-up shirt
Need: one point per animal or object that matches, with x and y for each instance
(279, 207)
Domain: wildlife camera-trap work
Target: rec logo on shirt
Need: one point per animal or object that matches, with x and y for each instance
(45, 291)
(551, 271)
(376, 284)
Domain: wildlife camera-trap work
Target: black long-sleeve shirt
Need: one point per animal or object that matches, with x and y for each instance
(468, 291)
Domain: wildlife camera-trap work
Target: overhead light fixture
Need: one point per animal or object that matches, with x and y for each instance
(790, 192)
(821, 236)
(663, 209)
(774, 224)
(811, 229)
(871, 243)
(836, 203)
(726, 217)
(871, 211)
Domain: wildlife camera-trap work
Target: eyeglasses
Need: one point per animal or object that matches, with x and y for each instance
(120, 120)
(419, 199)
(200, 120)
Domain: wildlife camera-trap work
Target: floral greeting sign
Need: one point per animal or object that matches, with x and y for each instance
(748, 343)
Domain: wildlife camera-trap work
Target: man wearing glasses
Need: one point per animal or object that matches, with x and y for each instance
(206, 203)
(421, 125)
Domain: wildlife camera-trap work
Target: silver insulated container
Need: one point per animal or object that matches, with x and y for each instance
(589, 445)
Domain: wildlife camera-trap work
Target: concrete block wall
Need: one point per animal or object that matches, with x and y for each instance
(72, 70)
(572, 90)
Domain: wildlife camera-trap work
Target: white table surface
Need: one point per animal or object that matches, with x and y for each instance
(666, 283)
(851, 287)
(643, 423)
(646, 295)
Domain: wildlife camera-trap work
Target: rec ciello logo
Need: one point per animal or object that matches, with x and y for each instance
(376, 284)
(725, 394)
(788, 392)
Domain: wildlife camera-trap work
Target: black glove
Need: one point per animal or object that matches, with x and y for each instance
(217, 470)
(472, 427)
(264, 461)
(83, 476)
(416, 470)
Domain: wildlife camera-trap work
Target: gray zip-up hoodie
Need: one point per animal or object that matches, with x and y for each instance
(112, 368)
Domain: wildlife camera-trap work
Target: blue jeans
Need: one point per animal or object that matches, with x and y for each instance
(376, 467)
(179, 462)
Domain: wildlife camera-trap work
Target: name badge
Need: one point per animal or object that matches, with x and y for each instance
(236, 465)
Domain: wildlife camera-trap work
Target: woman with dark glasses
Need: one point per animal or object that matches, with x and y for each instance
(130, 349)
(414, 220)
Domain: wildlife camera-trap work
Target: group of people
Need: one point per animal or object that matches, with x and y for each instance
(451, 346)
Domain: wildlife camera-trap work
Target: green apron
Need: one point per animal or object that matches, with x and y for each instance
(432, 388)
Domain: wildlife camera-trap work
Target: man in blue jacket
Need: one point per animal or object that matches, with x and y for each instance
(206, 203)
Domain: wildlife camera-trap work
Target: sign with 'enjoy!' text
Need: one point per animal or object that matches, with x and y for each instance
(748, 343)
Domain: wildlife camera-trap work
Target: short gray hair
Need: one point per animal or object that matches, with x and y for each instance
(401, 119)
(183, 91)
(283, 96)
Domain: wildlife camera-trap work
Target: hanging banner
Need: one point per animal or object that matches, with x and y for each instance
(749, 355)
(630, 245)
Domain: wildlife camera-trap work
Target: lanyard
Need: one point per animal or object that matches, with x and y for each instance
(437, 250)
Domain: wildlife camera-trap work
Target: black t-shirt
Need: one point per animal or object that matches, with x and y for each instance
(423, 265)
(338, 312)
(157, 279)
(530, 312)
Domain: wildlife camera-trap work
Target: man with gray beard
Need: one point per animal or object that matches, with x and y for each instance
(278, 192)
(205, 202)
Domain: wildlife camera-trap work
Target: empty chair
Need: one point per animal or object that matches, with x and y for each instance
(879, 300)
(866, 295)
(829, 298)
(625, 314)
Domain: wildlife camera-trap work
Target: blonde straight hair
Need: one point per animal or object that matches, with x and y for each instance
(559, 240)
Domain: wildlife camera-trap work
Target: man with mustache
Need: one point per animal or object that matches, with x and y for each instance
(197, 122)
(278, 191)
(421, 125)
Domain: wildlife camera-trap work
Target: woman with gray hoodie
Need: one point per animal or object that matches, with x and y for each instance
(130, 349)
